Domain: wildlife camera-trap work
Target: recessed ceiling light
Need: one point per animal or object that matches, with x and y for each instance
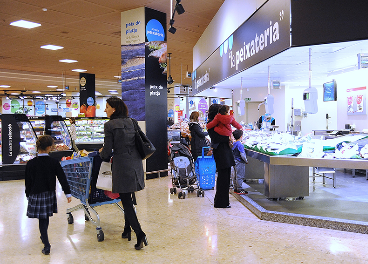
(116, 76)
(112, 91)
(51, 47)
(36, 92)
(59, 90)
(52, 86)
(98, 93)
(4, 86)
(25, 24)
(79, 70)
(68, 61)
(14, 93)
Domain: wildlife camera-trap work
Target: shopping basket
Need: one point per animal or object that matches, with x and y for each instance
(78, 173)
(205, 168)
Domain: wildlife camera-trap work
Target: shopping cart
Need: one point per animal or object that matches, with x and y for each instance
(78, 173)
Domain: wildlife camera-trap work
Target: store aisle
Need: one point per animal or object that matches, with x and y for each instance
(189, 230)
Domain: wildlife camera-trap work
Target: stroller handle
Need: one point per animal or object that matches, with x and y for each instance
(203, 150)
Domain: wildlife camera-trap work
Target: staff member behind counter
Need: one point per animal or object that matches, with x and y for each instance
(265, 121)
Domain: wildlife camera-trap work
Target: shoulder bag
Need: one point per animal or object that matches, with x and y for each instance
(143, 144)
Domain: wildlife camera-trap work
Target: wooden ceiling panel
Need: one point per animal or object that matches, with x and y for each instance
(80, 8)
(89, 31)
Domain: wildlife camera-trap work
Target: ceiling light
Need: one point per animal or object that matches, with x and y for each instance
(79, 70)
(59, 90)
(14, 93)
(98, 93)
(68, 61)
(52, 86)
(51, 47)
(116, 76)
(36, 92)
(114, 93)
(25, 24)
(4, 86)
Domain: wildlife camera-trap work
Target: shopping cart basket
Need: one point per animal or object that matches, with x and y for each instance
(78, 173)
(205, 168)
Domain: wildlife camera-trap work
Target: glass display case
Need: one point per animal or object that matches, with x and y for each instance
(38, 124)
(89, 130)
(56, 127)
(18, 139)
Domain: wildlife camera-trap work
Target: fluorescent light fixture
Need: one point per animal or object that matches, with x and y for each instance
(98, 93)
(51, 47)
(117, 76)
(52, 86)
(79, 70)
(14, 93)
(36, 92)
(112, 91)
(59, 90)
(68, 61)
(4, 86)
(25, 24)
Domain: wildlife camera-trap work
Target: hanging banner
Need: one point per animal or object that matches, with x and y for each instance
(87, 95)
(265, 34)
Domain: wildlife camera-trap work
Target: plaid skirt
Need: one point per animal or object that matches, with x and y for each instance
(41, 205)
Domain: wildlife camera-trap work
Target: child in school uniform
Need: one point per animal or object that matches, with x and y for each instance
(240, 161)
(223, 121)
(40, 185)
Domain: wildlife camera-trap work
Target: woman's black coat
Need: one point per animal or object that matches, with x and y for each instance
(198, 140)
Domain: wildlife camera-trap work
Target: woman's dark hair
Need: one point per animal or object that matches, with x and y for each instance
(44, 141)
(72, 120)
(213, 111)
(194, 116)
(120, 107)
(237, 134)
(224, 109)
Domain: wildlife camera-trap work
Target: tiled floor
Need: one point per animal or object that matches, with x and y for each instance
(187, 230)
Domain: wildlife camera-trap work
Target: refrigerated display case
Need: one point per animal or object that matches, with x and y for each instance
(57, 129)
(18, 145)
(90, 132)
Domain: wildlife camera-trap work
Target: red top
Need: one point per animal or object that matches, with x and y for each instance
(222, 124)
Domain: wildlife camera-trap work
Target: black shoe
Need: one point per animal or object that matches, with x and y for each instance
(46, 250)
(127, 233)
(141, 238)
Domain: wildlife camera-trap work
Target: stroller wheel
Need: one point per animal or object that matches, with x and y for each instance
(198, 193)
(180, 195)
(202, 193)
(174, 190)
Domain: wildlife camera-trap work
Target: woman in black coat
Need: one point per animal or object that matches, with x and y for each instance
(224, 159)
(127, 168)
(198, 140)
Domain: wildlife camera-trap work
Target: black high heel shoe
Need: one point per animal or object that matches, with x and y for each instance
(127, 233)
(141, 238)
(46, 250)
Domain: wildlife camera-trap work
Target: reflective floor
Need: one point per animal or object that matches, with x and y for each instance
(187, 230)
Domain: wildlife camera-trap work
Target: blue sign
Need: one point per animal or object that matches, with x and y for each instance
(214, 101)
(170, 113)
(90, 101)
(155, 31)
(40, 107)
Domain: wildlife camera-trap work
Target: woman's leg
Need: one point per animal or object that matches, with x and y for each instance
(130, 216)
(222, 188)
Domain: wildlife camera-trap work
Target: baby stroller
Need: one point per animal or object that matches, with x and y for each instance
(182, 170)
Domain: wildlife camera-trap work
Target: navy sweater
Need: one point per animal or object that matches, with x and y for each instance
(41, 173)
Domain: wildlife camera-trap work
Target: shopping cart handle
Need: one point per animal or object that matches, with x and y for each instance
(203, 150)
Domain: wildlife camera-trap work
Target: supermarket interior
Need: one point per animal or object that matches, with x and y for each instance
(296, 83)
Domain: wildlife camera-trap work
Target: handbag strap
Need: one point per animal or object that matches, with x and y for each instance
(135, 124)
